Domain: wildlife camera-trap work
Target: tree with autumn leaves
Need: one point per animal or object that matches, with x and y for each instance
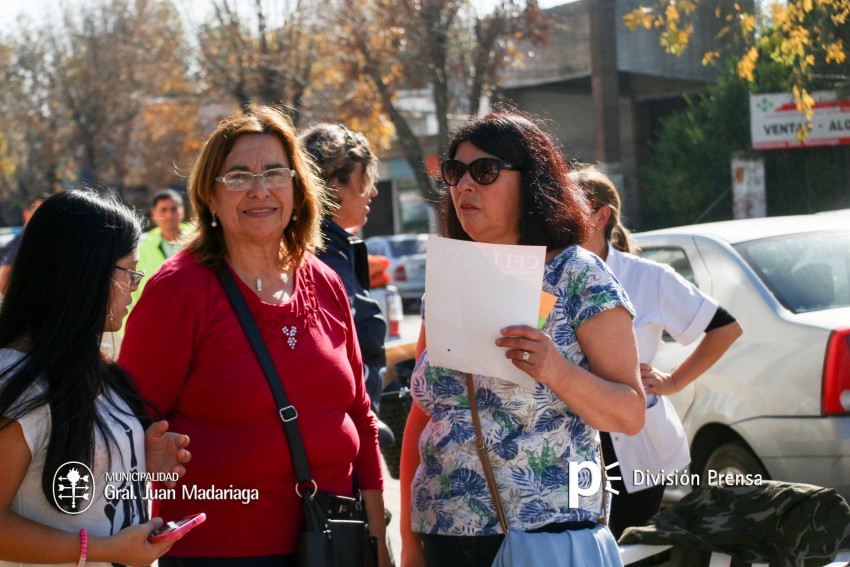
(798, 47)
(807, 38)
(110, 92)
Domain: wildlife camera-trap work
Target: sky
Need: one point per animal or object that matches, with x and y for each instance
(10, 9)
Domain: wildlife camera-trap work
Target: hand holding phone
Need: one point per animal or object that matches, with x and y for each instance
(174, 530)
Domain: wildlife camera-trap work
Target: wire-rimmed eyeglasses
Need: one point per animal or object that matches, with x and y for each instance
(275, 178)
(135, 275)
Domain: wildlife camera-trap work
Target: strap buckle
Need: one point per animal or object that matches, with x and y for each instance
(288, 413)
(298, 487)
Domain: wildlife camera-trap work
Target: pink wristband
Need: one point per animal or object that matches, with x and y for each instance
(84, 547)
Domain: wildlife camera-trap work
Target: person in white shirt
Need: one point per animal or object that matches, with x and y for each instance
(663, 301)
(76, 444)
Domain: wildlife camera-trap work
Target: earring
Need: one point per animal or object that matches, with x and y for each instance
(294, 217)
(214, 222)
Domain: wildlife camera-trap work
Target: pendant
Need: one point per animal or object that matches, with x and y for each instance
(290, 332)
(259, 284)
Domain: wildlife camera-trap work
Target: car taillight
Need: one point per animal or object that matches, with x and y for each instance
(836, 374)
(400, 275)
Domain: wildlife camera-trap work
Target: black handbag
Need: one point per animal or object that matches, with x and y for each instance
(335, 532)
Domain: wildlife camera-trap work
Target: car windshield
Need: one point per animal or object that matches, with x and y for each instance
(806, 272)
(409, 246)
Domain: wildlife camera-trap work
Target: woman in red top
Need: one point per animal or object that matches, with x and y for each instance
(259, 206)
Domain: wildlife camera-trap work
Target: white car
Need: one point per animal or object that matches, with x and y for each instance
(406, 254)
(778, 403)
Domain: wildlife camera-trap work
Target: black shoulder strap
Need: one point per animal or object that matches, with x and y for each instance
(287, 412)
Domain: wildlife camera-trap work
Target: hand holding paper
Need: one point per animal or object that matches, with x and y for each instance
(473, 291)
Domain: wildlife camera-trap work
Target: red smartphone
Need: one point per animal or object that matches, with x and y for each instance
(172, 530)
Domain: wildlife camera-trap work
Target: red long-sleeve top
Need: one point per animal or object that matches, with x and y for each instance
(187, 353)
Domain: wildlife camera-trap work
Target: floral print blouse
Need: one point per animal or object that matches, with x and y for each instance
(531, 435)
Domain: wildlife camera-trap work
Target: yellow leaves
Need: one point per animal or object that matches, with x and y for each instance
(710, 57)
(835, 52)
(747, 64)
(805, 102)
(747, 23)
(638, 18)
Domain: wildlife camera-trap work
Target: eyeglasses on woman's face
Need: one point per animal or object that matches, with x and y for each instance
(135, 275)
(275, 178)
(483, 171)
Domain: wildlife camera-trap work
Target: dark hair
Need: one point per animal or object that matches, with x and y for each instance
(337, 151)
(166, 194)
(55, 309)
(302, 234)
(554, 212)
(600, 191)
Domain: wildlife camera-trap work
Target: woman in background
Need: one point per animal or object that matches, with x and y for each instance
(664, 301)
(349, 169)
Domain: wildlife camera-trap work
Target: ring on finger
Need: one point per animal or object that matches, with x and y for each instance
(525, 356)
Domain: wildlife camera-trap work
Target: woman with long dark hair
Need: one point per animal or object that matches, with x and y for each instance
(75, 442)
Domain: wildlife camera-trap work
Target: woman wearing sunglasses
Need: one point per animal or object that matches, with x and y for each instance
(69, 416)
(508, 184)
(259, 205)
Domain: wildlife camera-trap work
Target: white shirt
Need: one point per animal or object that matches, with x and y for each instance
(663, 300)
(104, 517)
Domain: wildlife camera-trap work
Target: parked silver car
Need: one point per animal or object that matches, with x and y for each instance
(406, 253)
(778, 402)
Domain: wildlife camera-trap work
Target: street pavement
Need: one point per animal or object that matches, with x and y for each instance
(392, 495)
(392, 500)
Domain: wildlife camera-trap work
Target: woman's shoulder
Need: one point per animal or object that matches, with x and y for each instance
(623, 261)
(8, 358)
(574, 260)
(182, 268)
(320, 272)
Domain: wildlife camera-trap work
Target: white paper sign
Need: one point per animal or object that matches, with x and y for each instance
(473, 290)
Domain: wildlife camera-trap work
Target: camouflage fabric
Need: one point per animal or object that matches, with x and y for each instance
(779, 523)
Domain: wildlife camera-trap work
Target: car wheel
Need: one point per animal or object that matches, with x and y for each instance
(734, 459)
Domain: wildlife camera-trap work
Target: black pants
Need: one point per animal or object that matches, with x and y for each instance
(460, 551)
(628, 509)
(289, 560)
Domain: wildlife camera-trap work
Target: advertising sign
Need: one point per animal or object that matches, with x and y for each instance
(775, 120)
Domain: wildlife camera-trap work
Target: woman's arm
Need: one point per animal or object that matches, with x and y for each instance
(374, 501)
(609, 397)
(411, 550)
(25, 541)
(712, 346)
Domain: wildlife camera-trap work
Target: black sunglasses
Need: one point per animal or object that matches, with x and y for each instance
(483, 171)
